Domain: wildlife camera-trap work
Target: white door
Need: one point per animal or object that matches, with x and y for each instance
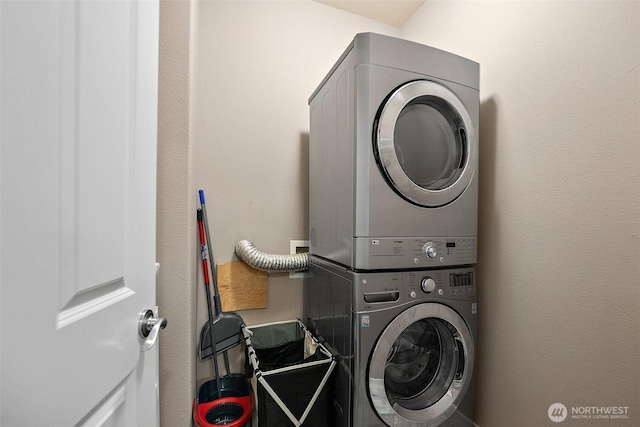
(78, 89)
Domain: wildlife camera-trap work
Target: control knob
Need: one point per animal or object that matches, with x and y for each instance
(427, 284)
(429, 250)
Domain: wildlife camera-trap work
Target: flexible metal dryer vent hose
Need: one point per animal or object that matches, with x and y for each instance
(268, 262)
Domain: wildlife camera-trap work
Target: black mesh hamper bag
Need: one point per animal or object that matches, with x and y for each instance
(291, 369)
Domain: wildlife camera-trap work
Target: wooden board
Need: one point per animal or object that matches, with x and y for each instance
(241, 287)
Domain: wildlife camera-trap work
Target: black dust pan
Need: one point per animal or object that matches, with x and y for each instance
(227, 328)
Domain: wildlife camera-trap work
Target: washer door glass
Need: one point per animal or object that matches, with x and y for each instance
(425, 143)
(421, 366)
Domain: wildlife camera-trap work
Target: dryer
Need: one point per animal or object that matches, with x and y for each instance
(404, 340)
(393, 157)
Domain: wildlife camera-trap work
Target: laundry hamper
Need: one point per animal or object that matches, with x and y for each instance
(292, 370)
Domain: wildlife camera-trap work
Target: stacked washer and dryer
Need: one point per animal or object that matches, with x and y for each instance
(393, 232)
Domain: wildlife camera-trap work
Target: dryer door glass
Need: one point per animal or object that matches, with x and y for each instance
(421, 366)
(425, 143)
(430, 141)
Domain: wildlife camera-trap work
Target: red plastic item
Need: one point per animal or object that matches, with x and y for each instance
(200, 411)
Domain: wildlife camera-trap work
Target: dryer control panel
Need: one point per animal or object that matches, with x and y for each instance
(424, 252)
(443, 251)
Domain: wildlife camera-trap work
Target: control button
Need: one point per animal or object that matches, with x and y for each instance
(441, 259)
(440, 292)
(427, 284)
(416, 261)
(413, 294)
(429, 250)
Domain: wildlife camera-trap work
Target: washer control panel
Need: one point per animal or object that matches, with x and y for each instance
(457, 283)
(383, 289)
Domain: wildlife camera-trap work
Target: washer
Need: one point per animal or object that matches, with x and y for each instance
(393, 154)
(405, 342)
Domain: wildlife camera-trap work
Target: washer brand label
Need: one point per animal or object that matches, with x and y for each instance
(364, 321)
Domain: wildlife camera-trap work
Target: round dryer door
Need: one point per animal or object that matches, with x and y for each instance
(421, 366)
(424, 143)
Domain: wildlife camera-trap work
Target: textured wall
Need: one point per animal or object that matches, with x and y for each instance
(559, 251)
(176, 250)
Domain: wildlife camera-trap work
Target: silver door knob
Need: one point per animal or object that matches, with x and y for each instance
(148, 327)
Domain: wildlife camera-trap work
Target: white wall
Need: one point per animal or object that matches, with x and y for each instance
(257, 64)
(559, 229)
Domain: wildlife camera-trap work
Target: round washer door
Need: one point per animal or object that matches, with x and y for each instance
(425, 143)
(421, 366)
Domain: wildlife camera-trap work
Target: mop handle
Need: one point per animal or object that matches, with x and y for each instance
(203, 249)
(214, 272)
